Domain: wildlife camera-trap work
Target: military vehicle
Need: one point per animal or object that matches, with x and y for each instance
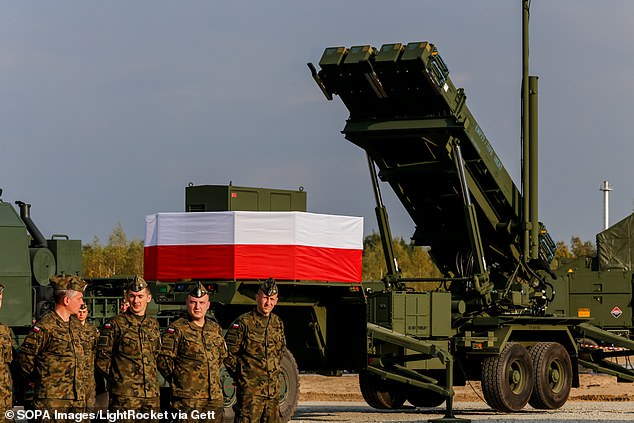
(312, 310)
(488, 318)
(27, 262)
(600, 287)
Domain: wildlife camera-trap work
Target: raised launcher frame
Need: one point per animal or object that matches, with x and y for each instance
(414, 125)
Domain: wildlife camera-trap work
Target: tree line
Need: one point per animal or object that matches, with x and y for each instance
(121, 256)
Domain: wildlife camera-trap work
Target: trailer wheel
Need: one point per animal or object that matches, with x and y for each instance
(425, 398)
(507, 379)
(289, 386)
(553, 375)
(379, 393)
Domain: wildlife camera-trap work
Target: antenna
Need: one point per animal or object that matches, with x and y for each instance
(606, 188)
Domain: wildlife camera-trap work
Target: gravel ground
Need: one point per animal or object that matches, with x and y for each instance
(585, 412)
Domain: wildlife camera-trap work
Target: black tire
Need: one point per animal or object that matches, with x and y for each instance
(289, 386)
(508, 378)
(289, 389)
(553, 375)
(425, 398)
(379, 393)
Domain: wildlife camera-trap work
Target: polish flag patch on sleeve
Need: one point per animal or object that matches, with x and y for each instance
(107, 326)
(235, 325)
(36, 329)
(170, 330)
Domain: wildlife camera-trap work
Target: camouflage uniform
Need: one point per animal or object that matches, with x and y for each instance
(52, 355)
(256, 345)
(191, 358)
(89, 335)
(6, 356)
(126, 355)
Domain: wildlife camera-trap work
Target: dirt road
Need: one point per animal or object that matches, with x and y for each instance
(346, 388)
(338, 399)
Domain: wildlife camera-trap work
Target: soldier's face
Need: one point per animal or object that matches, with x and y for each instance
(82, 314)
(265, 303)
(74, 303)
(197, 307)
(139, 301)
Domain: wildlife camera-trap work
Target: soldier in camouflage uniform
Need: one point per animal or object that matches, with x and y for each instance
(52, 354)
(126, 354)
(191, 356)
(89, 336)
(6, 356)
(256, 345)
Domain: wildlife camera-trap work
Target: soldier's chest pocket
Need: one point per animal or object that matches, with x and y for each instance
(192, 348)
(214, 345)
(60, 346)
(255, 343)
(153, 341)
(275, 341)
(130, 344)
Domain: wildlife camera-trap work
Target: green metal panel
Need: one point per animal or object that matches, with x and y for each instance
(440, 314)
(420, 314)
(67, 253)
(15, 269)
(606, 310)
(202, 198)
(601, 282)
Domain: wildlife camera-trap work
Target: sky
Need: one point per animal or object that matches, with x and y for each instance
(109, 109)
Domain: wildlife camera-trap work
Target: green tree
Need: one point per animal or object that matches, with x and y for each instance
(413, 261)
(582, 249)
(119, 257)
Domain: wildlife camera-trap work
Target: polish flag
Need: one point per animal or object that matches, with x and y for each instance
(253, 245)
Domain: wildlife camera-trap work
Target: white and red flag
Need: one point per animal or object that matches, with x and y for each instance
(253, 245)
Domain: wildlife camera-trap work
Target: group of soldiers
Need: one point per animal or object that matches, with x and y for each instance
(63, 353)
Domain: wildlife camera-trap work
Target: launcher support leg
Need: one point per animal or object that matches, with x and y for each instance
(449, 416)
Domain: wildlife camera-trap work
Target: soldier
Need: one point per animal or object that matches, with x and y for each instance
(256, 345)
(191, 357)
(52, 355)
(6, 356)
(89, 336)
(126, 354)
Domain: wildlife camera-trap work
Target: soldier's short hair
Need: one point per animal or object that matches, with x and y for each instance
(268, 287)
(60, 294)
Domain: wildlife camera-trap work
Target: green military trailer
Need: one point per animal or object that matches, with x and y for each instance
(600, 288)
(489, 318)
(324, 317)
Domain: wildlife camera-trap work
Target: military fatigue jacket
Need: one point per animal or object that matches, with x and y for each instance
(191, 357)
(6, 356)
(89, 336)
(256, 345)
(52, 355)
(126, 355)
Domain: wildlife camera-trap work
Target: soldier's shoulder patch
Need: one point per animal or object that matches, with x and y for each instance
(170, 330)
(235, 325)
(107, 326)
(36, 329)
